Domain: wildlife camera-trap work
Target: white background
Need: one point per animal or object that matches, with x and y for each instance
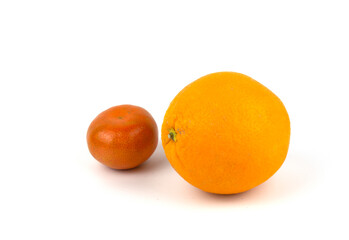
(63, 62)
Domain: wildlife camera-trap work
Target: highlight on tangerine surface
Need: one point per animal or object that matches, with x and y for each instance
(226, 133)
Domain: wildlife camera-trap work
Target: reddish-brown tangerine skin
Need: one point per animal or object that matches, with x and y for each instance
(122, 137)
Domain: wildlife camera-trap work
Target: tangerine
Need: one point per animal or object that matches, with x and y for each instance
(122, 137)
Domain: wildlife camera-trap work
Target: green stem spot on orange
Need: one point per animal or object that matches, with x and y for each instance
(172, 135)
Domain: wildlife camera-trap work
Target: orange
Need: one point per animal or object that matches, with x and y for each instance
(226, 133)
(122, 137)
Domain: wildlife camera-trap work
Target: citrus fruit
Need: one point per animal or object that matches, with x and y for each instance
(226, 133)
(122, 137)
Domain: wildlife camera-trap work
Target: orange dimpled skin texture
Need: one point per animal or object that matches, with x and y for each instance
(122, 137)
(226, 133)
